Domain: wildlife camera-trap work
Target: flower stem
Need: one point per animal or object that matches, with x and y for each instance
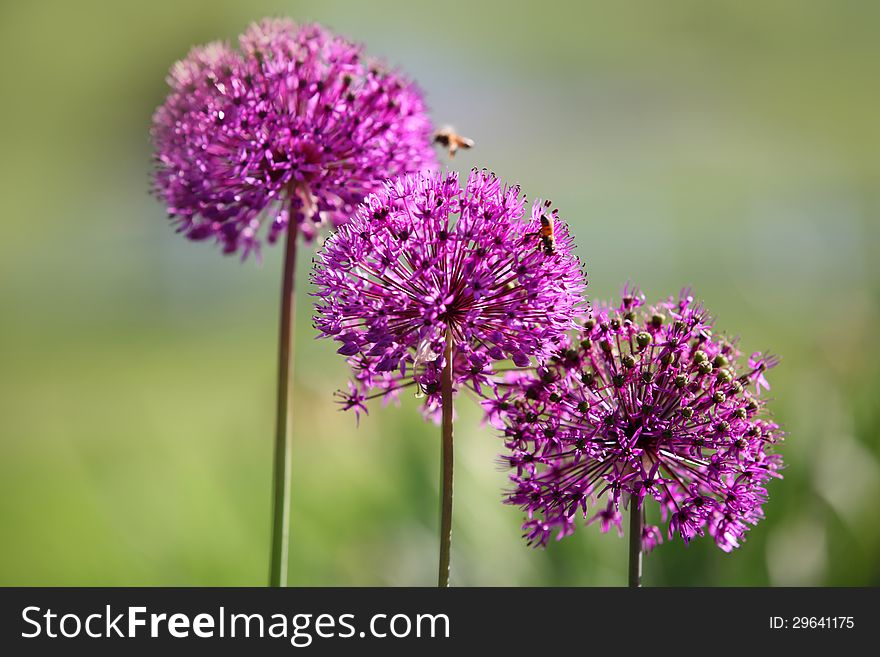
(284, 418)
(446, 467)
(635, 544)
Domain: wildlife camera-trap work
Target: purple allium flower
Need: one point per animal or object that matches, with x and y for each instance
(643, 402)
(424, 260)
(297, 121)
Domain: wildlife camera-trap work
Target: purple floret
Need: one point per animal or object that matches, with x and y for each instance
(641, 402)
(424, 259)
(297, 121)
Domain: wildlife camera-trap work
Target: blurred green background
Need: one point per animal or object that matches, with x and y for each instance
(732, 146)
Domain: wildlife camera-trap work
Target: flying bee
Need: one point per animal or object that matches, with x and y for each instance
(448, 138)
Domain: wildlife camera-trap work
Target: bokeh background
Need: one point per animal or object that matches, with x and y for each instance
(732, 146)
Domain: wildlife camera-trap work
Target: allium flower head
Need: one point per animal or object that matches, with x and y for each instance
(645, 402)
(423, 260)
(295, 122)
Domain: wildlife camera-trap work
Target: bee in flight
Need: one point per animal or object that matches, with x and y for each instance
(545, 232)
(448, 138)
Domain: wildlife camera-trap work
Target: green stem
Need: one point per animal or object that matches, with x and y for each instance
(635, 544)
(446, 467)
(284, 418)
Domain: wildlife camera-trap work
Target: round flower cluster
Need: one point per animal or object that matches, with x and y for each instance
(297, 126)
(644, 402)
(426, 268)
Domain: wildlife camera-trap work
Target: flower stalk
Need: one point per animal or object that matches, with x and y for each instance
(635, 543)
(284, 418)
(446, 466)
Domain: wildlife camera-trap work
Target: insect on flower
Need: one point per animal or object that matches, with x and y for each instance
(546, 232)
